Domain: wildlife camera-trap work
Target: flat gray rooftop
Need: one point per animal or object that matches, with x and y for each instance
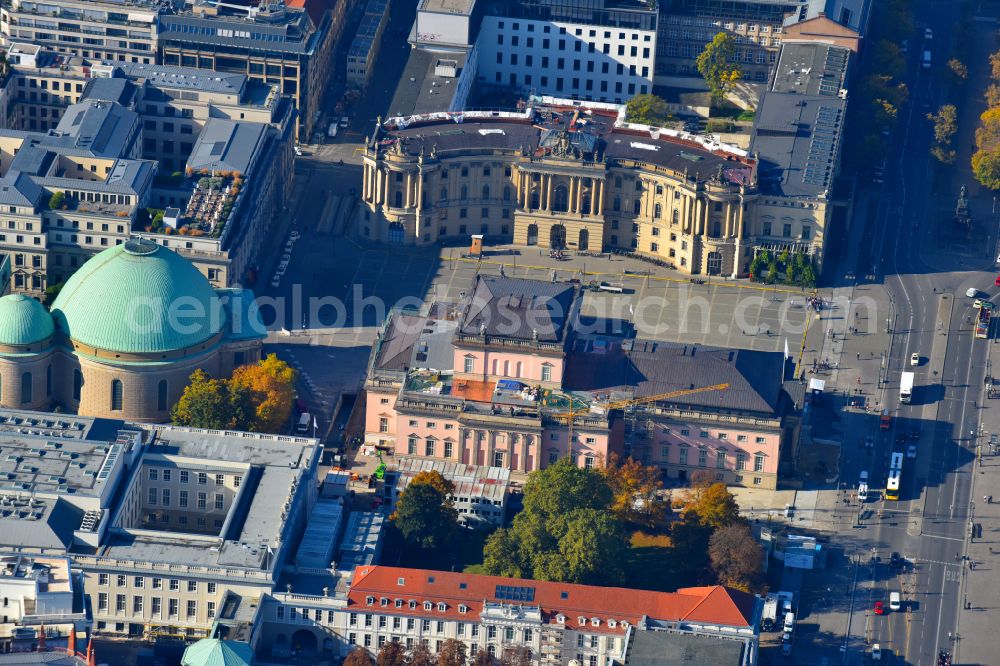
(52, 467)
(448, 6)
(252, 449)
(420, 89)
(797, 138)
(811, 68)
(658, 648)
(187, 78)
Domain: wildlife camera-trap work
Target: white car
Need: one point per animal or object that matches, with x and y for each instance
(876, 652)
(298, 151)
(928, 33)
(911, 451)
(914, 358)
(276, 281)
(344, 121)
(971, 292)
(294, 235)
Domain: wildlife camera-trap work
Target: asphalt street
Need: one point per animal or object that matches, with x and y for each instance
(928, 314)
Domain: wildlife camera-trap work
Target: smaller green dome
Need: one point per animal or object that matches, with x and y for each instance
(23, 321)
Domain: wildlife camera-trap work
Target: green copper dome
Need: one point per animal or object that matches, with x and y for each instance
(23, 321)
(136, 298)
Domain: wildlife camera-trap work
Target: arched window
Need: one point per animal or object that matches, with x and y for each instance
(716, 230)
(506, 193)
(486, 191)
(675, 216)
(117, 395)
(657, 211)
(444, 194)
(496, 366)
(506, 368)
(517, 370)
(399, 199)
(26, 387)
(77, 384)
(48, 380)
(465, 193)
(161, 395)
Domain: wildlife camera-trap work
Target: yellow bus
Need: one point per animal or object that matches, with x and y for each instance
(895, 478)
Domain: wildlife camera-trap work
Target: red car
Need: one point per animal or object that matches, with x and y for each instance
(879, 608)
(997, 281)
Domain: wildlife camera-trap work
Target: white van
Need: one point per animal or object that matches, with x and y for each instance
(895, 603)
(862, 492)
(305, 422)
(925, 60)
(789, 622)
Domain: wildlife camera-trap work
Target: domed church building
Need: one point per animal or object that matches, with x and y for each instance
(124, 335)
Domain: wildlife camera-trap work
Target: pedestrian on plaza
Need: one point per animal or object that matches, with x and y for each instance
(859, 356)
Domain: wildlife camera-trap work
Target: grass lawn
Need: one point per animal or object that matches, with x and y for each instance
(649, 562)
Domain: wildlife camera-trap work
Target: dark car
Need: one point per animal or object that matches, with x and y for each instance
(895, 561)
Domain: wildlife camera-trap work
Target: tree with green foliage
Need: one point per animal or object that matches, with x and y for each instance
(566, 531)
(214, 404)
(52, 293)
(647, 109)
(57, 201)
(425, 517)
(737, 559)
(717, 64)
(888, 57)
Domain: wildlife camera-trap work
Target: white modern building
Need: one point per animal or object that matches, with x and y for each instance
(480, 495)
(597, 50)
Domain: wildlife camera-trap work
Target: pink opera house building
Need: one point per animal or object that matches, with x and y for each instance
(511, 378)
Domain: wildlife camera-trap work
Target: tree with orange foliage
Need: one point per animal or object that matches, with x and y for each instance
(713, 506)
(435, 479)
(635, 490)
(271, 382)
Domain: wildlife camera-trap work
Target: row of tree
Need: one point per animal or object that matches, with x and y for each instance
(575, 527)
(876, 99)
(257, 397)
(452, 653)
(986, 159)
(784, 267)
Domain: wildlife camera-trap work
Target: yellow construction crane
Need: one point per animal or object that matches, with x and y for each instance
(625, 404)
(573, 414)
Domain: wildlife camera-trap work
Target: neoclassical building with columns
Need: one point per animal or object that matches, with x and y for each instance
(578, 180)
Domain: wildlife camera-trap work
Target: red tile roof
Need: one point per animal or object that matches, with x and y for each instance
(315, 8)
(713, 605)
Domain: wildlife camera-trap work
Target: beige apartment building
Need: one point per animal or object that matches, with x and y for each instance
(91, 29)
(176, 116)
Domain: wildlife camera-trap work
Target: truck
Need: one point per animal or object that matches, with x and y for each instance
(983, 320)
(770, 615)
(906, 388)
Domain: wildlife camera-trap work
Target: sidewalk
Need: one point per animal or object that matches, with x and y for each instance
(856, 358)
(977, 619)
